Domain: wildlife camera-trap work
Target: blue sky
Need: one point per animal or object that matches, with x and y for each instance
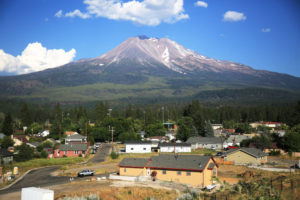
(39, 34)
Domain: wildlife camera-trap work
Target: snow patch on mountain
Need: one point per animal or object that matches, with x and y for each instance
(166, 55)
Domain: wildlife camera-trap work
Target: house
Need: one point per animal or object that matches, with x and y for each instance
(207, 143)
(158, 139)
(216, 126)
(44, 133)
(51, 140)
(228, 131)
(138, 146)
(266, 124)
(2, 136)
(218, 132)
(19, 139)
(246, 156)
(179, 147)
(236, 139)
(280, 133)
(170, 135)
(6, 157)
(33, 144)
(71, 150)
(194, 170)
(170, 126)
(69, 133)
(142, 134)
(272, 124)
(75, 139)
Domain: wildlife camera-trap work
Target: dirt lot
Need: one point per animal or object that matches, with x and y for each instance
(108, 190)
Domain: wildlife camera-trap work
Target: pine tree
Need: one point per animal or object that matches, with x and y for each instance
(7, 126)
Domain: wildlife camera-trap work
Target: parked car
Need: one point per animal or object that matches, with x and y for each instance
(86, 172)
(97, 144)
(219, 154)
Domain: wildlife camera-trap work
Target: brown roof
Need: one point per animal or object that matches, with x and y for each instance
(69, 133)
(22, 138)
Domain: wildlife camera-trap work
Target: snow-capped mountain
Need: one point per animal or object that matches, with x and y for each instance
(146, 67)
(172, 55)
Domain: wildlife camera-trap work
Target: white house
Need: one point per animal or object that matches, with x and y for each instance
(179, 147)
(138, 147)
(171, 135)
(217, 126)
(207, 143)
(44, 133)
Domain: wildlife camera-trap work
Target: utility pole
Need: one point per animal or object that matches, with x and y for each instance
(163, 113)
(59, 132)
(112, 135)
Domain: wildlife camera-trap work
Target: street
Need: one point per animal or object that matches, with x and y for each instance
(42, 177)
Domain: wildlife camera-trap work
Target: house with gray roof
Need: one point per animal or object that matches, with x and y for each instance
(194, 170)
(246, 156)
(215, 143)
(71, 150)
(178, 147)
(75, 139)
(6, 157)
(236, 139)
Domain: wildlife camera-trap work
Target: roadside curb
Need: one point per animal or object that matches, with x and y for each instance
(19, 179)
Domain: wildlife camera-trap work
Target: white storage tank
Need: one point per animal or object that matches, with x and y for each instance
(33, 193)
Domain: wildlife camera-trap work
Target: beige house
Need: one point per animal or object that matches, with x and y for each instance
(246, 156)
(19, 139)
(196, 171)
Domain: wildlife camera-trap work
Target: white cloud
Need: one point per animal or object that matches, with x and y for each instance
(266, 30)
(34, 58)
(59, 14)
(233, 16)
(77, 13)
(146, 12)
(201, 4)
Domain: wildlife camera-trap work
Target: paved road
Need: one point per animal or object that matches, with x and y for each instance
(37, 178)
(42, 177)
(102, 153)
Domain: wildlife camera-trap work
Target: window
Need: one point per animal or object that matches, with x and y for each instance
(188, 173)
(178, 172)
(214, 172)
(76, 152)
(124, 169)
(164, 171)
(131, 149)
(144, 149)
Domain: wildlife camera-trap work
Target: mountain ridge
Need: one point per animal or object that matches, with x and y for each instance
(138, 61)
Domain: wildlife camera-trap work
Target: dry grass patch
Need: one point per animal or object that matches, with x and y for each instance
(115, 193)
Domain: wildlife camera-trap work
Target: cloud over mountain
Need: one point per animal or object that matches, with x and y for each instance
(147, 12)
(34, 58)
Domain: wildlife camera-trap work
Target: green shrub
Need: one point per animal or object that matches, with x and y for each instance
(44, 154)
(274, 153)
(114, 155)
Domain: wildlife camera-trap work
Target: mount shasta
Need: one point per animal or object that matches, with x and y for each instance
(147, 68)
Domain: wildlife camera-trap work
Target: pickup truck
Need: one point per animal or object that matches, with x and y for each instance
(86, 172)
